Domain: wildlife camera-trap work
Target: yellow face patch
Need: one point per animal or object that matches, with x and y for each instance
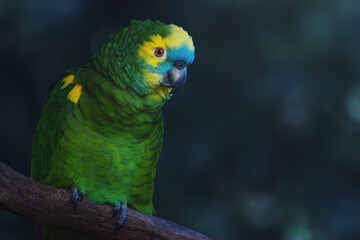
(177, 38)
(153, 79)
(159, 91)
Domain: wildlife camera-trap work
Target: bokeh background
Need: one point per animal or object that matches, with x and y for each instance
(262, 143)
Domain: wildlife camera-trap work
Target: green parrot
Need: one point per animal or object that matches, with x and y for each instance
(100, 132)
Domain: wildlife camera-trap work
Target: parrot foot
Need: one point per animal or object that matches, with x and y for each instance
(116, 209)
(75, 196)
(123, 214)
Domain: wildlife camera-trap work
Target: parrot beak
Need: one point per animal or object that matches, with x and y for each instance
(176, 76)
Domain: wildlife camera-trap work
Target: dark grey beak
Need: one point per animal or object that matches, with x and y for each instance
(176, 77)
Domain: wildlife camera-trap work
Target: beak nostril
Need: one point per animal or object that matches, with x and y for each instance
(175, 78)
(179, 65)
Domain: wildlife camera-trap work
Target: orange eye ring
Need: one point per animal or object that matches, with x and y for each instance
(159, 52)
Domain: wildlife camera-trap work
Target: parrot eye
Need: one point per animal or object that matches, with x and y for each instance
(160, 53)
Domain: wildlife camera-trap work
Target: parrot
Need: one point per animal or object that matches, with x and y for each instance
(100, 131)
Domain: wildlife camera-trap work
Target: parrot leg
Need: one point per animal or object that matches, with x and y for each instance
(116, 209)
(75, 196)
(123, 214)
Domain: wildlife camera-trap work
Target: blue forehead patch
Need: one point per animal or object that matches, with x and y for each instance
(183, 53)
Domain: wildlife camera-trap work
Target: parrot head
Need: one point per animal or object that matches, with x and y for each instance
(149, 57)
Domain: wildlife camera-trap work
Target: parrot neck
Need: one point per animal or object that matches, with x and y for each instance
(123, 71)
(115, 107)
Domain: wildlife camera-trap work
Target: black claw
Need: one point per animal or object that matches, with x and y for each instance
(75, 196)
(81, 196)
(116, 209)
(122, 218)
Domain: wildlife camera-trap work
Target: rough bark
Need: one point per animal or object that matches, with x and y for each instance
(48, 205)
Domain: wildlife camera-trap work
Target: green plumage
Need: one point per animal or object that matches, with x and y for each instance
(106, 144)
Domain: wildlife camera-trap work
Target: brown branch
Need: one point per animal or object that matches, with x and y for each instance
(45, 204)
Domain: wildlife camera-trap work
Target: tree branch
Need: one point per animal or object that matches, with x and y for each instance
(45, 204)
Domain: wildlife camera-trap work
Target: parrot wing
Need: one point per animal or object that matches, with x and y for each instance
(49, 129)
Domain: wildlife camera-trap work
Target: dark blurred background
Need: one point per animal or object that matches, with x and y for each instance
(262, 143)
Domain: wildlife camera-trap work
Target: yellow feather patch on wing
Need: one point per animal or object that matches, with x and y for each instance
(67, 80)
(75, 93)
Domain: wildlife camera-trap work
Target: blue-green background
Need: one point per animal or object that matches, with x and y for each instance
(263, 142)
